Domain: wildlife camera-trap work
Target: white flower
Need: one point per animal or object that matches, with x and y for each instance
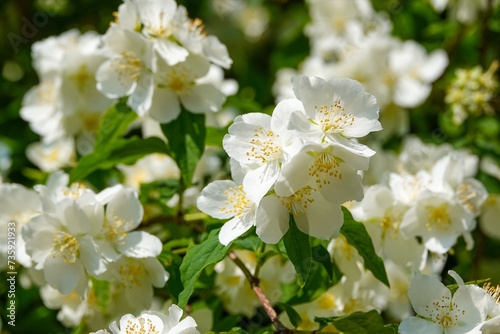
(129, 71)
(329, 168)
(135, 279)
(124, 213)
(226, 199)
(441, 312)
(61, 244)
(150, 322)
(177, 84)
(488, 222)
(313, 214)
(72, 308)
(261, 144)
(50, 157)
(414, 71)
(151, 168)
(438, 220)
(334, 111)
(18, 205)
(383, 215)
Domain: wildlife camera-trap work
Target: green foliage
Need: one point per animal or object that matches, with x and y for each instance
(299, 252)
(122, 151)
(197, 258)
(102, 293)
(186, 142)
(359, 323)
(322, 256)
(294, 317)
(358, 237)
(114, 124)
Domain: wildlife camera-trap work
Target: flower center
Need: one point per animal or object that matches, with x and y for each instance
(66, 246)
(132, 273)
(179, 79)
(265, 146)
(326, 301)
(129, 66)
(444, 312)
(323, 168)
(141, 326)
(333, 118)
(237, 201)
(47, 92)
(162, 30)
(390, 223)
(438, 217)
(75, 191)
(298, 202)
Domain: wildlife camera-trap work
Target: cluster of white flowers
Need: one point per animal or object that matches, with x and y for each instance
(432, 194)
(350, 39)
(158, 57)
(66, 102)
(153, 53)
(301, 161)
(67, 234)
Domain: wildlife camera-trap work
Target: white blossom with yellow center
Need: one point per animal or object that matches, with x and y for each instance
(334, 111)
(129, 70)
(439, 311)
(151, 322)
(329, 168)
(438, 219)
(177, 84)
(124, 213)
(61, 244)
(261, 144)
(312, 213)
(224, 200)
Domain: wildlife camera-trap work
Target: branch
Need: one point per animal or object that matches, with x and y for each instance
(254, 283)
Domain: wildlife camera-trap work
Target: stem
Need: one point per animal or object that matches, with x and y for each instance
(254, 283)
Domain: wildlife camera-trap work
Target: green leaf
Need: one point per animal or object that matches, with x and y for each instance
(322, 256)
(358, 323)
(294, 317)
(215, 136)
(298, 249)
(125, 151)
(358, 237)
(114, 123)
(172, 263)
(197, 258)
(186, 140)
(102, 293)
(162, 190)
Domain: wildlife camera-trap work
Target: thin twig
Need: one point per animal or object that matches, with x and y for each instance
(254, 283)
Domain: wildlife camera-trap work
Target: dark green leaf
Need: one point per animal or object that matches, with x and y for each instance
(186, 140)
(125, 151)
(294, 317)
(114, 123)
(172, 263)
(298, 249)
(197, 258)
(358, 237)
(358, 323)
(321, 255)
